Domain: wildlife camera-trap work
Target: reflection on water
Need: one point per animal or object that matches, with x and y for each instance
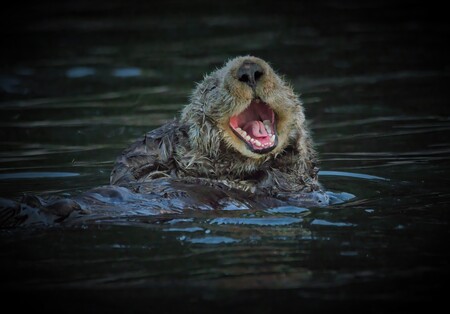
(352, 175)
(78, 72)
(278, 221)
(36, 175)
(85, 80)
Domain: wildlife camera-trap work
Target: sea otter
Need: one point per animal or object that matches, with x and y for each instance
(244, 128)
(242, 139)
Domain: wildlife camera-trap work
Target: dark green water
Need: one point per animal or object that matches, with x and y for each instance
(80, 80)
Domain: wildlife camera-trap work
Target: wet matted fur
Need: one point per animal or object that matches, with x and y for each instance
(208, 145)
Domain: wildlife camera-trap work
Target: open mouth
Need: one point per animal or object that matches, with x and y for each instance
(255, 126)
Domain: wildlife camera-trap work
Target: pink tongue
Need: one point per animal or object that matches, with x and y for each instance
(255, 129)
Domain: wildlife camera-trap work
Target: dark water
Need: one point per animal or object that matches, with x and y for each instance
(80, 80)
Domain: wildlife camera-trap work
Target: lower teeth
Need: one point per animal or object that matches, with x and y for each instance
(256, 142)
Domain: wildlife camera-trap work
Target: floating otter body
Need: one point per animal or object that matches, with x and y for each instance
(244, 128)
(242, 138)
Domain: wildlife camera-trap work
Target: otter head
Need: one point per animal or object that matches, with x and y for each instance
(246, 106)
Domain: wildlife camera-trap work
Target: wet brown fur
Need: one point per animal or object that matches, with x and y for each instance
(201, 147)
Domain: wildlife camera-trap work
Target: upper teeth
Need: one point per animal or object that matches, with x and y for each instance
(268, 127)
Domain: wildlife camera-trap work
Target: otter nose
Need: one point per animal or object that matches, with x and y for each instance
(250, 73)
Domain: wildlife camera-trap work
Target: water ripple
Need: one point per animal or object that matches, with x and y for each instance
(76, 101)
(351, 175)
(127, 72)
(378, 119)
(187, 229)
(210, 240)
(37, 175)
(322, 222)
(269, 221)
(366, 79)
(134, 120)
(78, 72)
(287, 210)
